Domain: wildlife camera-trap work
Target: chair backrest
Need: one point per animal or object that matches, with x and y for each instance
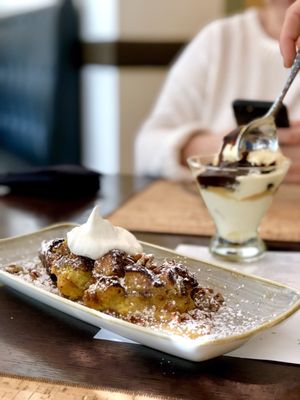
(39, 85)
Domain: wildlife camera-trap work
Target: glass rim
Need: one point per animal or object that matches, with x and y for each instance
(194, 162)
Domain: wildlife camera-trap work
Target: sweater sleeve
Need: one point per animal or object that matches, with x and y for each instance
(178, 113)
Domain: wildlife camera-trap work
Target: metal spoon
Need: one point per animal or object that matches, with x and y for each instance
(261, 132)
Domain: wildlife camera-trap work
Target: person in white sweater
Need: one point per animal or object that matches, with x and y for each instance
(233, 58)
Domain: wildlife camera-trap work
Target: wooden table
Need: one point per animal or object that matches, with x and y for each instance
(42, 343)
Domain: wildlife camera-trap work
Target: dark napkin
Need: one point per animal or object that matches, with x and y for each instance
(59, 181)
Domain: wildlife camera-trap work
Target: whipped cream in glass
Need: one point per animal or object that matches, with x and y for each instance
(98, 236)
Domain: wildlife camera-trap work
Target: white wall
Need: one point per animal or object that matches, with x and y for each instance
(100, 90)
(165, 19)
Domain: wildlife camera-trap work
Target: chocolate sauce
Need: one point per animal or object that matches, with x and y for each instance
(227, 177)
(231, 139)
(218, 179)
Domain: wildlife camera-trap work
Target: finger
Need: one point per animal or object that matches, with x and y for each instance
(289, 136)
(295, 124)
(290, 34)
(288, 51)
(293, 175)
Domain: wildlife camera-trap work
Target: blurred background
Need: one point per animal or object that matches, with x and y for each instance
(77, 78)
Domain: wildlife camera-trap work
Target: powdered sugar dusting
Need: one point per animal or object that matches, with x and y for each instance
(33, 272)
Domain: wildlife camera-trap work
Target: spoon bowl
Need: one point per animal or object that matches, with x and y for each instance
(261, 133)
(258, 134)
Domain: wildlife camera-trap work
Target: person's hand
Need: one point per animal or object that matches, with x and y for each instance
(201, 142)
(289, 141)
(290, 34)
(289, 136)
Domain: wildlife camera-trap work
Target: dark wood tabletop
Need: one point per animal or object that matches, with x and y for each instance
(43, 343)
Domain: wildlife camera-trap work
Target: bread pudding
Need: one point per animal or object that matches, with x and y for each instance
(125, 285)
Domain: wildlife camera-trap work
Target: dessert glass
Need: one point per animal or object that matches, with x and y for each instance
(237, 199)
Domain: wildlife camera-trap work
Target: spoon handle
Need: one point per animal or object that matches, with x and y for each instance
(278, 102)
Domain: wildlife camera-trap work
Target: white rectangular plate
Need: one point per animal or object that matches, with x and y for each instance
(252, 304)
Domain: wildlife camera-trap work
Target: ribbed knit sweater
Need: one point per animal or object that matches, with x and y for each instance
(229, 59)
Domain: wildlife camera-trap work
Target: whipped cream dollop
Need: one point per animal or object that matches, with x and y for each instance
(265, 157)
(98, 236)
(229, 153)
(256, 158)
